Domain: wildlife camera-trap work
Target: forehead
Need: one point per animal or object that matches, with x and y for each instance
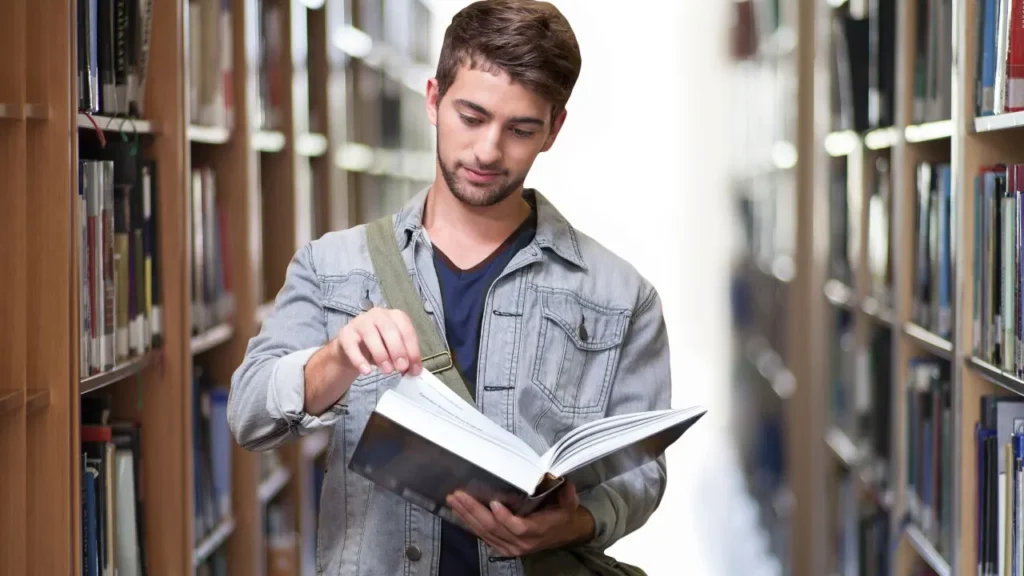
(494, 90)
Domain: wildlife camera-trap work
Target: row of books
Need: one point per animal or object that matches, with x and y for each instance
(879, 247)
(998, 335)
(272, 64)
(999, 439)
(211, 86)
(842, 226)
(845, 229)
(112, 515)
(119, 295)
(933, 61)
(213, 300)
(932, 300)
(281, 541)
(929, 447)
(1000, 55)
(862, 544)
(113, 38)
(863, 65)
(859, 388)
(211, 454)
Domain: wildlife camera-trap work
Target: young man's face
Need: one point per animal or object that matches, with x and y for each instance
(489, 131)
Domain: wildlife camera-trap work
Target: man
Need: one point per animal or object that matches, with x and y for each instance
(548, 328)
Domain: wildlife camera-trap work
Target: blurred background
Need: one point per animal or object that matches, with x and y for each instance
(824, 193)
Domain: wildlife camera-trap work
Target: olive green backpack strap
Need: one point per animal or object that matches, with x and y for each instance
(400, 294)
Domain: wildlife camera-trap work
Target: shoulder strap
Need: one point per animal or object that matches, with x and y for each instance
(401, 295)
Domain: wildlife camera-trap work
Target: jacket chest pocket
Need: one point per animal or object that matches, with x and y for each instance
(346, 297)
(578, 346)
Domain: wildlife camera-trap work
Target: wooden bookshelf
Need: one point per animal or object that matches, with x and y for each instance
(929, 333)
(278, 181)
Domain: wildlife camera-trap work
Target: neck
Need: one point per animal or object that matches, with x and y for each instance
(450, 222)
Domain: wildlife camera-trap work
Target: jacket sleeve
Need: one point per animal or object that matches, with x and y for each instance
(265, 406)
(642, 383)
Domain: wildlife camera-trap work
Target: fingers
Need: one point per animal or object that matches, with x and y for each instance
(515, 525)
(410, 341)
(391, 342)
(370, 337)
(351, 348)
(480, 520)
(567, 497)
(382, 338)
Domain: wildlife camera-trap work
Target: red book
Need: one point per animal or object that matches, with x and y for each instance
(1015, 58)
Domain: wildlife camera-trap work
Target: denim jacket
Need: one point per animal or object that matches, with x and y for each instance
(539, 376)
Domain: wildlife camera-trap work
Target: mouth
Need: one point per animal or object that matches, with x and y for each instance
(481, 177)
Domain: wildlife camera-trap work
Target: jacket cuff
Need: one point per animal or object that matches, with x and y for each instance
(599, 502)
(286, 398)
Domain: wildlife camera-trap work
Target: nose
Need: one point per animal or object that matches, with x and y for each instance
(488, 148)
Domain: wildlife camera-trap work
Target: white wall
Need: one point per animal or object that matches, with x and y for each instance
(639, 165)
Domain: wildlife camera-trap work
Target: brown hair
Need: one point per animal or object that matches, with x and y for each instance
(529, 40)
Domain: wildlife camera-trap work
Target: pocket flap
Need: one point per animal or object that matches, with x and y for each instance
(589, 326)
(348, 293)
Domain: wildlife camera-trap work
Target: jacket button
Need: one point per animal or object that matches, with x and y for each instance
(365, 304)
(413, 553)
(427, 307)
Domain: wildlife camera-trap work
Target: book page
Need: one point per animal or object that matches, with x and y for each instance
(432, 395)
(597, 429)
(456, 437)
(598, 435)
(637, 434)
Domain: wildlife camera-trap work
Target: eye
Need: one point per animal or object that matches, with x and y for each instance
(469, 120)
(520, 133)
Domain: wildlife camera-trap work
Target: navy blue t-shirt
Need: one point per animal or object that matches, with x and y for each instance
(463, 294)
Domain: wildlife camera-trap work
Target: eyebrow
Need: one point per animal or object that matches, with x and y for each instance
(485, 112)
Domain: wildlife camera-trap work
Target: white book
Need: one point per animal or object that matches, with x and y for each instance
(423, 442)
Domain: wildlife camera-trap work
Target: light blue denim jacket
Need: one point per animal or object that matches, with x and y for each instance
(538, 378)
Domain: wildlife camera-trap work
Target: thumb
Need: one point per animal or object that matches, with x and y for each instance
(568, 498)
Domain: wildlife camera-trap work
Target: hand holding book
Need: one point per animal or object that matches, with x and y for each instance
(551, 527)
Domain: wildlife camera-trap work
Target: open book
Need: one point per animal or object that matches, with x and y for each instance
(423, 442)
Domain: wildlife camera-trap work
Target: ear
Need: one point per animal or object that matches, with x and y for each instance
(556, 127)
(432, 100)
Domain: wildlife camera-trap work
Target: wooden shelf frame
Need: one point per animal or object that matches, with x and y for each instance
(967, 142)
(270, 182)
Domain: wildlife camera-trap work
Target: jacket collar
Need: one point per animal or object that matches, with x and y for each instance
(554, 232)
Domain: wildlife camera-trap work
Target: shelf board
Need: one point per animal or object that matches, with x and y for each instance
(882, 138)
(926, 550)
(208, 134)
(315, 444)
(10, 401)
(874, 309)
(929, 131)
(839, 294)
(115, 124)
(996, 375)
(311, 145)
(273, 485)
(998, 122)
(129, 368)
(211, 543)
(37, 400)
(843, 447)
(772, 368)
(933, 343)
(212, 338)
(841, 143)
(268, 141)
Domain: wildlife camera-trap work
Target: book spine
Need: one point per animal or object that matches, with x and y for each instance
(1015, 58)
